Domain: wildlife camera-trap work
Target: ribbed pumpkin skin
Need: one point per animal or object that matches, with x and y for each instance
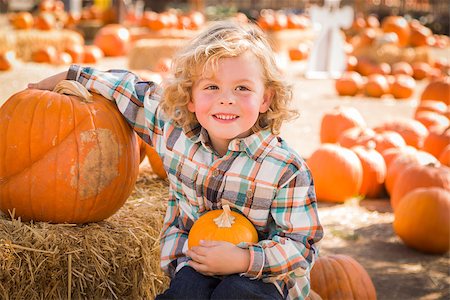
(337, 173)
(340, 277)
(63, 160)
(421, 213)
(205, 229)
(416, 176)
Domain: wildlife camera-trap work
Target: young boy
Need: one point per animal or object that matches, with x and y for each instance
(214, 123)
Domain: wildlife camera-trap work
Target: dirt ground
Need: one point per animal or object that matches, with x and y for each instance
(362, 230)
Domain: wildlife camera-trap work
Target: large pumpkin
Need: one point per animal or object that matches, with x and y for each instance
(438, 90)
(337, 173)
(222, 225)
(63, 159)
(340, 277)
(422, 220)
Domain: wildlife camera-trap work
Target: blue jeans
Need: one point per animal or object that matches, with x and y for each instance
(189, 284)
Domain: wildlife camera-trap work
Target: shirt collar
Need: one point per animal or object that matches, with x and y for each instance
(257, 145)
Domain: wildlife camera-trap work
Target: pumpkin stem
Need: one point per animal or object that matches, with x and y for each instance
(225, 219)
(73, 88)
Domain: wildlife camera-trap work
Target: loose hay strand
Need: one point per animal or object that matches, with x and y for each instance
(117, 258)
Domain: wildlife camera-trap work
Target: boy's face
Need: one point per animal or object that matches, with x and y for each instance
(227, 103)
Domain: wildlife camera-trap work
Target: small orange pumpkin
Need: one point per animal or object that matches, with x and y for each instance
(63, 160)
(222, 225)
(7, 60)
(113, 39)
(22, 20)
(349, 84)
(92, 54)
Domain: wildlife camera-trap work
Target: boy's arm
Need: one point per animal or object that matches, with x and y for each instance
(291, 246)
(127, 91)
(173, 239)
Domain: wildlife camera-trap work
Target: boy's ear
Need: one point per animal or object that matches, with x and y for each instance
(267, 100)
(191, 106)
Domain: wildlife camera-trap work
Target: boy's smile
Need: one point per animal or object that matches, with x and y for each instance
(227, 103)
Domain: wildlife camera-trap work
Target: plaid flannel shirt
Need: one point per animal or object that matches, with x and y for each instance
(259, 176)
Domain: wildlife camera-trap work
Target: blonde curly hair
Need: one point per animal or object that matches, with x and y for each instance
(225, 39)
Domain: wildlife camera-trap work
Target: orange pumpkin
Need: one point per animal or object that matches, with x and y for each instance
(421, 213)
(412, 131)
(341, 277)
(349, 84)
(403, 86)
(376, 85)
(374, 170)
(62, 159)
(356, 136)
(432, 120)
(432, 105)
(398, 25)
(437, 140)
(222, 225)
(113, 40)
(7, 59)
(337, 120)
(415, 176)
(76, 52)
(392, 153)
(337, 173)
(46, 54)
(438, 89)
(387, 140)
(45, 21)
(92, 54)
(155, 162)
(402, 161)
(299, 53)
(22, 20)
(444, 157)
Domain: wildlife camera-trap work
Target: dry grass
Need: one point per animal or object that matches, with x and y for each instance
(114, 259)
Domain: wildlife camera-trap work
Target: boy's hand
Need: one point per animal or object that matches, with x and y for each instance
(218, 258)
(48, 83)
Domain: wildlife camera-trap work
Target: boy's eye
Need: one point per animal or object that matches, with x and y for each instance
(211, 87)
(242, 88)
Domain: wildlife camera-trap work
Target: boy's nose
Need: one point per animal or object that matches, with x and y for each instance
(227, 98)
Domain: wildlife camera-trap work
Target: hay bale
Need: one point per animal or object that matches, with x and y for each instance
(146, 53)
(390, 53)
(141, 33)
(283, 40)
(114, 259)
(25, 42)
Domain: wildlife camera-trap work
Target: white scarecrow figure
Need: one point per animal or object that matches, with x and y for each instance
(328, 58)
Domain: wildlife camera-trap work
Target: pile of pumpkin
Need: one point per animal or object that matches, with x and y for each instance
(407, 159)
(50, 36)
(398, 80)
